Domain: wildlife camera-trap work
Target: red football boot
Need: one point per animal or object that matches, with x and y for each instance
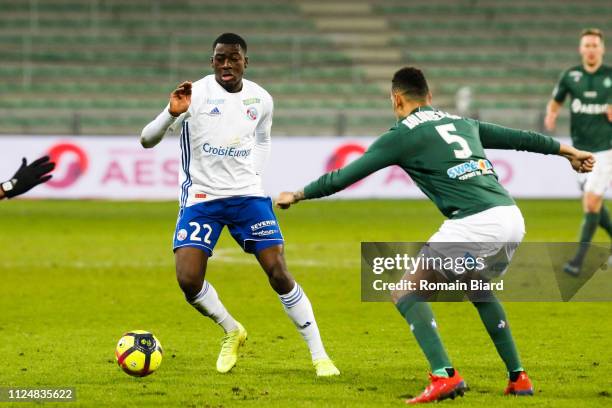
(441, 388)
(522, 386)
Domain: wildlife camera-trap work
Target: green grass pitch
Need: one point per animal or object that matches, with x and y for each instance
(76, 275)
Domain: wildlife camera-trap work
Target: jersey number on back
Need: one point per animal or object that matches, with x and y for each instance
(445, 132)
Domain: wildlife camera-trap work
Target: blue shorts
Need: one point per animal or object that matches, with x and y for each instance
(250, 220)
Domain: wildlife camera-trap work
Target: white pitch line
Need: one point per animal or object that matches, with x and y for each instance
(238, 260)
(234, 255)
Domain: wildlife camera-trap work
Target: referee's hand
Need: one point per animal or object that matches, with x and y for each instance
(180, 99)
(29, 176)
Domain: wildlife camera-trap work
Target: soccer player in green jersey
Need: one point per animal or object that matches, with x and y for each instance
(444, 155)
(590, 88)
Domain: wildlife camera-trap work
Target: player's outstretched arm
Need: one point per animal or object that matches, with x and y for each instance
(580, 160)
(180, 99)
(384, 152)
(27, 177)
(499, 137)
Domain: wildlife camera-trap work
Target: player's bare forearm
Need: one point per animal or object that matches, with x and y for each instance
(580, 160)
(287, 198)
(552, 111)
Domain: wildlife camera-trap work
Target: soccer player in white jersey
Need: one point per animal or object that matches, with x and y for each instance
(224, 124)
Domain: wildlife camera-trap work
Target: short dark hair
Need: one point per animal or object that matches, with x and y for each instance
(230, 38)
(411, 82)
(592, 31)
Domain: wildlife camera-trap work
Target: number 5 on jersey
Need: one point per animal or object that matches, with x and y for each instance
(195, 235)
(445, 132)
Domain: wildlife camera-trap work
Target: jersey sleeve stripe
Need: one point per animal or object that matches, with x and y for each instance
(186, 156)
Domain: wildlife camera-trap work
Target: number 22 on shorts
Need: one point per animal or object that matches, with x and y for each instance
(195, 235)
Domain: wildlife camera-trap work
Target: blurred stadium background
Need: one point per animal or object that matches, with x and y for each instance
(103, 67)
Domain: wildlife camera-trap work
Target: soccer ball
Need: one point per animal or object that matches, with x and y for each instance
(138, 353)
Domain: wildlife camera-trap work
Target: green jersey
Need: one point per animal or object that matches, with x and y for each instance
(590, 94)
(444, 155)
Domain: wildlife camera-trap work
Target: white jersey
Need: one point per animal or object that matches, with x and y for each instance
(224, 139)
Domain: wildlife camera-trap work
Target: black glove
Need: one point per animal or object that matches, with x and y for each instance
(28, 176)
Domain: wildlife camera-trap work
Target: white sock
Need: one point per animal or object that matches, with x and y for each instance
(207, 302)
(298, 308)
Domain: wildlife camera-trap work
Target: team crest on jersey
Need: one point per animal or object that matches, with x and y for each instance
(607, 82)
(252, 113)
(576, 75)
(181, 235)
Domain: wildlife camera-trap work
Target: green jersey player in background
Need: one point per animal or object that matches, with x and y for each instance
(444, 155)
(590, 89)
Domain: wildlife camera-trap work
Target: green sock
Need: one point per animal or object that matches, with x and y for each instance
(604, 220)
(589, 226)
(494, 319)
(420, 317)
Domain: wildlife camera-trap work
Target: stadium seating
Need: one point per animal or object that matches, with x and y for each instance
(107, 66)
